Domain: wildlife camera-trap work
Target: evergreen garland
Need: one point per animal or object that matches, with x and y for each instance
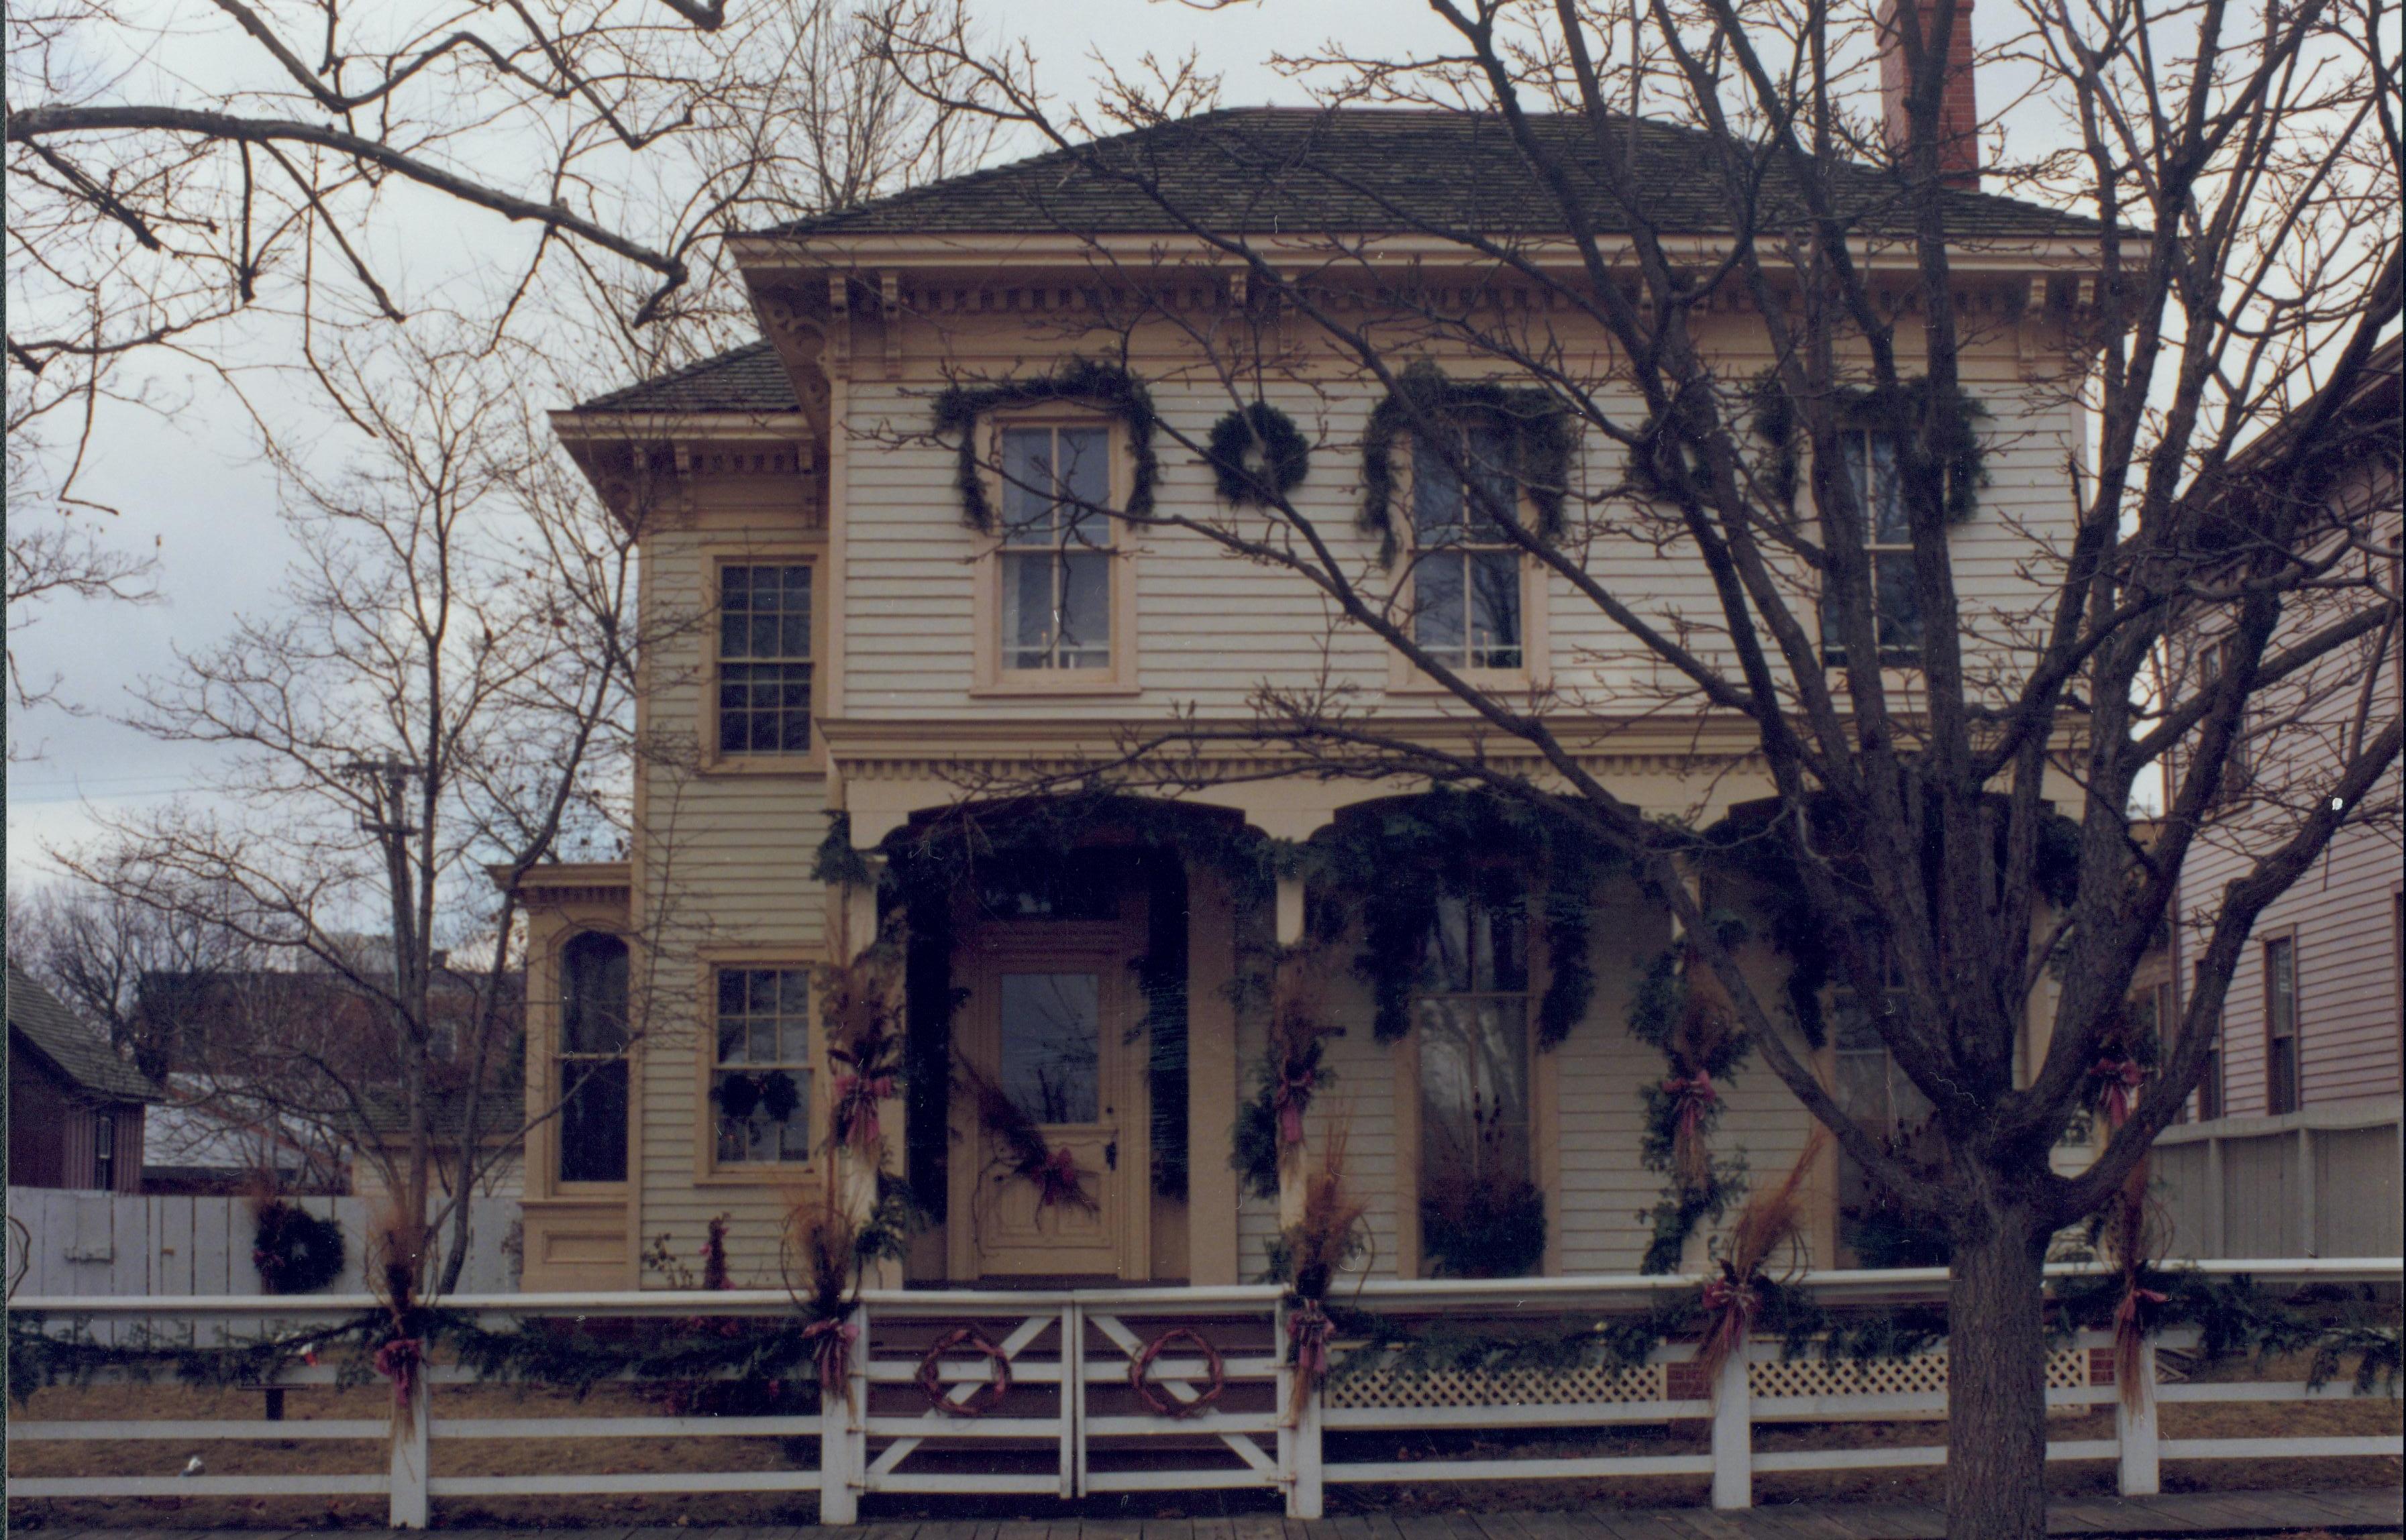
(1104, 384)
(1669, 1014)
(1957, 452)
(1535, 424)
(1257, 455)
(835, 863)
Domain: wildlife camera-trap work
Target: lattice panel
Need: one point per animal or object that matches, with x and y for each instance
(2067, 1368)
(1515, 1388)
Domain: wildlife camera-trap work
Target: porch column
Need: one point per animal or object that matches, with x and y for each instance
(1210, 1081)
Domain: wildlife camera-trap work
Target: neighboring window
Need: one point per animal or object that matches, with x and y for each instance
(2239, 770)
(1874, 1230)
(1466, 568)
(592, 1059)
(1872, 471)
(764, 659)
(2209, 1087)
(2280, 1026)
(761, 1084)
(104, 1151)
(1056, 548)
(1480, 1212)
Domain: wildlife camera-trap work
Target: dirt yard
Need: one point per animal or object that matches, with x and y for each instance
(2375, 1414)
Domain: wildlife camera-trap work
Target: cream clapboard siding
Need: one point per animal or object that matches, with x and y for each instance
(1209, 627)
(726, 867)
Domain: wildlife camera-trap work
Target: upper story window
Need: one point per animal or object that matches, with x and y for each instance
(2280, 1026)
(1466, 567)
(591, 1066)
(1872, 471)
(760, 1079)
(1057, 550)
(764, 659)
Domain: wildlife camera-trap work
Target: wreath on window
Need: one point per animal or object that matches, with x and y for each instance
(296, 1251)
(1258, 455)
(1104, 384)
(1535, 424)
(775, 1093)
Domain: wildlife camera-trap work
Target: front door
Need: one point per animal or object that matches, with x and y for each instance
(1052, 1116)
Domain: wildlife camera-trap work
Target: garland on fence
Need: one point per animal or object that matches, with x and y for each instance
(1257, 454)
(1538, 429)
(296, 1251)
(1104, 384)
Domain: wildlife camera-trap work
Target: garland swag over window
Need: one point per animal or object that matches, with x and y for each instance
(1899, 412)
(1533, 422)
(1106, 386)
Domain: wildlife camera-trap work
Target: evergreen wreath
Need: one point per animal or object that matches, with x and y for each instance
(1536, 425)
(1257, 454)
(1898, 410)
(1105, 385)
(296, 1251)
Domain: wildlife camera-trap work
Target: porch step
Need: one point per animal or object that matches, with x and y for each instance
(2329, 1511)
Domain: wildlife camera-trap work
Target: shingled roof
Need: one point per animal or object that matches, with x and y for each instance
(1380, 170)
(76, 1050)
(747, 379)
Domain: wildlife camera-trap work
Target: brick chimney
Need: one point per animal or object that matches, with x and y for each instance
(1959, 111)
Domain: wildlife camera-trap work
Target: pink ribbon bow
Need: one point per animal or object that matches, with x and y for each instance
(831, 1341)
(1308, 1332)
(2121, 1077)
(1292, 1095)
(1058, 1181)
(2127, 1313)
(398, 1360)
(855, 1106)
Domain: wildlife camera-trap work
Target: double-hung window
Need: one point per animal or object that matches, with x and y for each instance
(760, 1079)
(1471, 1015)
(1056, 548)
(2280, 1026)
(1465, 566)
(104, 1151)
(764, 659)
(1875, 1091)
(1876, 478)
(591, 1063)
(2209, 1086)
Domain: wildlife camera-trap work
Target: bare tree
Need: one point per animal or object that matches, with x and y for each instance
(102, 954)
(2241, 176)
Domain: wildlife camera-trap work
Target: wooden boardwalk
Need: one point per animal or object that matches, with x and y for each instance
(2356, 1511)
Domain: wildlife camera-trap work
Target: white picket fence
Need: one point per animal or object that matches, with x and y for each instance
(114, 1245)
(1066, 1392)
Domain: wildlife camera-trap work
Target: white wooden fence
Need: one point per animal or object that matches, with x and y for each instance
(2322, 1181)
(96, 1245)
(1065, 1414)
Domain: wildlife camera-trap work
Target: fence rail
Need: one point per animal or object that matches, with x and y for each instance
(1061, 1393)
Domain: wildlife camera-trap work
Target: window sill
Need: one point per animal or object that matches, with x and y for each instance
(809, 763)
(1416, 683)
(597, 1195)
(766, 1174)
(1010, 689)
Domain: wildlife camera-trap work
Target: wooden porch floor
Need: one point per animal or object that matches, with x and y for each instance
(2354, 1511)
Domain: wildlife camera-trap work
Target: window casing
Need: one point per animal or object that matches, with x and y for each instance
(1056, 563)
(2280, 1026)
(1471, 1018)
(764, 659)
(104, 1151)
(760, 1073)
(589, 1070)
(2209, 1085)
(1467, 597)
(1872, 471)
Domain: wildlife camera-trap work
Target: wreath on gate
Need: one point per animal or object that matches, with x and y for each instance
(1258, 454)
(296, 1251)
(1164, 1404)
(980, 1400)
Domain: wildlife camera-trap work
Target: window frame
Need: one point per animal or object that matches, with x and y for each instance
(104, 1149)
(1404, 676)
(708, 1169)
(2211, 1102)
(992, 676)
(1833, 653)
(809, 761)
(2283, 1077)
(555, 1076)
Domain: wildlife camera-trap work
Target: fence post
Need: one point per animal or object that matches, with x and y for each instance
(409, 1506)
(1734, 1434)
(1304, 1498)
(2134, 1427)
(839, 1499)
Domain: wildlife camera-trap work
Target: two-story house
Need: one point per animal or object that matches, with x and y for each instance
(878, 601)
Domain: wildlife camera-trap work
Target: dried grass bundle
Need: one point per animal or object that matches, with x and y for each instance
(819, 1253)
(2133, 1240)
(1772, 1220)
(1329, 1232)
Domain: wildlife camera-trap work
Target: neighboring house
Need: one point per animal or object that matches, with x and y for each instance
(76, 1105)
(863, 651)
(2292, 1144)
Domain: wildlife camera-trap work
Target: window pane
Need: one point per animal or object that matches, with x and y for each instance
(1439, 603)
(1027, 609)
(593, 1120)
(1474, 1104)
(1085, 481)
(1027, 485)
(1495, 609)
(1085, 611)
(1052, 1045)
(1885, 496)
(593, 996)
(765, 612)
(763, 1117)
(2280, 988)
(1477, 947)
(1899, 608)
(1436, 496)
(1489, 455)
(764, 708)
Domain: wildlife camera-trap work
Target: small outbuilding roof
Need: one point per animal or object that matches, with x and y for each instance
(75, 1049)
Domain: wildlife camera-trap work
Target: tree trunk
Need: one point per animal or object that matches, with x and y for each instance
(1996, 1378)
